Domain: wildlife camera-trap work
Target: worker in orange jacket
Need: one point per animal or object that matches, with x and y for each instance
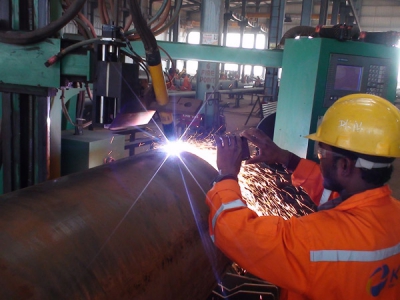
(348, 249)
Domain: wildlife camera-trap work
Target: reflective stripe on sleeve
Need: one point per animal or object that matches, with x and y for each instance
(233, 204)
(351, 255)
(325, 196)
(212, 238)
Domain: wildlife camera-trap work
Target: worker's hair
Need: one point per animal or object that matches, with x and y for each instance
(375, 176)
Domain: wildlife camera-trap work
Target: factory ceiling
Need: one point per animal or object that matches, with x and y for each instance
(370, 15)
(258, 13)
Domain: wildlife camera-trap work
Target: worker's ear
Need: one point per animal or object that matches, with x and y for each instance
(345, 166)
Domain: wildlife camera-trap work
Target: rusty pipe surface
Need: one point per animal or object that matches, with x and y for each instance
(132, 229)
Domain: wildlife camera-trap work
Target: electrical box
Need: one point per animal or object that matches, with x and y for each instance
(92, 149)
(316, 72)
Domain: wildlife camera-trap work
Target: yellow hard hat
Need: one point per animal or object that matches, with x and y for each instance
(361, 123)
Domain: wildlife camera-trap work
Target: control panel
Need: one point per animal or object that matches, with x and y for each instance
(348, 74)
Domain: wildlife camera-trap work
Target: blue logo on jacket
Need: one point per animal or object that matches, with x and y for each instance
(382, 277)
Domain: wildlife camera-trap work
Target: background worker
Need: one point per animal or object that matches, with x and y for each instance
(349, 248)
(171, 79)
(186, 84)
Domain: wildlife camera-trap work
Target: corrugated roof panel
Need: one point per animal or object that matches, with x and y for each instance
(388, 11)
(395, 24)
(368, 10)
(379, 3)
(382, 21)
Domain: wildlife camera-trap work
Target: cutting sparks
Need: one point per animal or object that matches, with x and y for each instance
(174, 148)
(265, 191)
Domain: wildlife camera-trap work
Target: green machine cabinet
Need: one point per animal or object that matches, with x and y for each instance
(92, 149)
(316, 72)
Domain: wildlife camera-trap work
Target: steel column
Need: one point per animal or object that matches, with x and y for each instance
(208, 72)
(242, 25)
(335, 12)
(5, 15)
(306, 12)
(276, 23)
(175, 33)
(226, 19)
(323, 13)
(274, 36)
(356, 8)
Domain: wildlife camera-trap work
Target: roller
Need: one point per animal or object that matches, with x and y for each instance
(131, 229)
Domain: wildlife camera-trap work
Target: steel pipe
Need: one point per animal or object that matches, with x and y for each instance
(132, 229)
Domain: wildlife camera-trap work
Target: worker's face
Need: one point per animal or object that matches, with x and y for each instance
(329, 169)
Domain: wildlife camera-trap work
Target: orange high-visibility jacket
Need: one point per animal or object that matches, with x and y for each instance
(309, 177)
(348, 252)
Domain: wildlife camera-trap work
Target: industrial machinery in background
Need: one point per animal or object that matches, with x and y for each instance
(330, 69)
(96, 232)
(117, 101)
(334, 61)
(136, 228)
(116, 85)
(61, 69)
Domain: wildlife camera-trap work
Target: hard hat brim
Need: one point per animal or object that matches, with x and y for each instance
(312, 136)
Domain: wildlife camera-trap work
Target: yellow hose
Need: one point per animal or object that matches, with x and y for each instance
(160, 89)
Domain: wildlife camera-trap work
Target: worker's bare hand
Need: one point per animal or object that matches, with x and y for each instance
(268, 152)
(229, 151)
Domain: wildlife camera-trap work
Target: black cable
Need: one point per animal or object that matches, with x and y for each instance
(147, 36)
(175, 15)
(83, 29)
(157, 15)
(30, 37)
(68, 49)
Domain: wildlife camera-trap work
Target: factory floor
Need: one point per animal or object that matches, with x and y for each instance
(236, 118)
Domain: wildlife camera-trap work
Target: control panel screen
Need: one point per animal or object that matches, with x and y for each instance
(348, 78)
(349, 74)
